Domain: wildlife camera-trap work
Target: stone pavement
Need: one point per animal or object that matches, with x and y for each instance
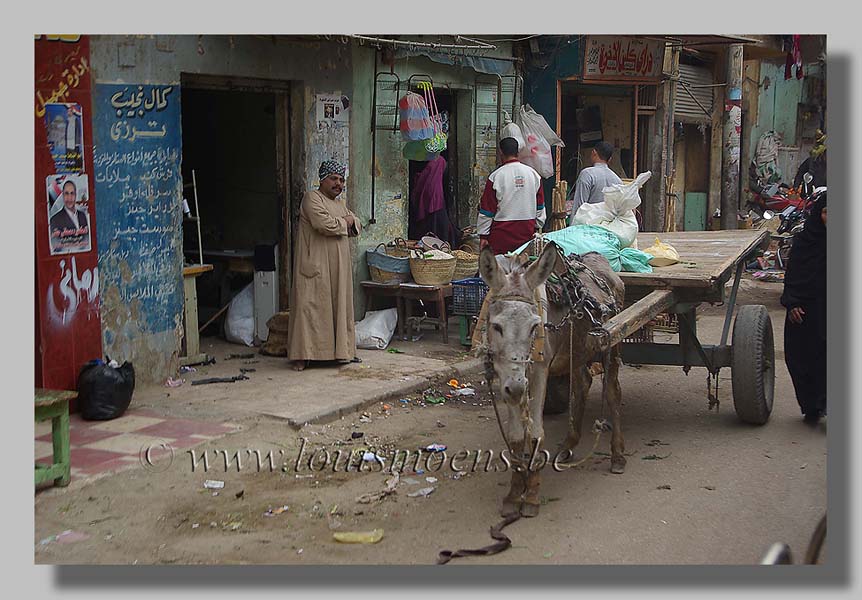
(186, 416)
(319, 394)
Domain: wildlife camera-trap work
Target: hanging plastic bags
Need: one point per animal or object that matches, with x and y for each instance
(415, 119)
(437, 141)
(512, 130)
(538, 123)
(538, 138)
(616, 213)
(417, 150)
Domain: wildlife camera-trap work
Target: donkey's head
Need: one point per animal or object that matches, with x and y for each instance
(513, 318)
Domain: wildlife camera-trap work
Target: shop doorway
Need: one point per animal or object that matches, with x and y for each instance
(592, 113)
(235, 140)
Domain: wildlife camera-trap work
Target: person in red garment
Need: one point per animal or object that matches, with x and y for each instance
(512, 207)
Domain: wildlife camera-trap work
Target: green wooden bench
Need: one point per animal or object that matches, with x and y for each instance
(54, 405)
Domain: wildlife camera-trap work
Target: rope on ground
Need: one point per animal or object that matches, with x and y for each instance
(503, 542)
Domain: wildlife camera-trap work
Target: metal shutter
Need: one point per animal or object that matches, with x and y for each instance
(685, 108)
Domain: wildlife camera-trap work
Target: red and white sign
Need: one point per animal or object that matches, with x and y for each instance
(611, 57)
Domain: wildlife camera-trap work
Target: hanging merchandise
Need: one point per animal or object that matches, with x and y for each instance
(794, 58)
(437, 143)
(415, 120)
(417, 150)
(512, 130)
(541, 125)
(538, 138)
(764, 166)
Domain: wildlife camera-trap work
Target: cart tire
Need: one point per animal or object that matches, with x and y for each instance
(557, 396)
(753, 365)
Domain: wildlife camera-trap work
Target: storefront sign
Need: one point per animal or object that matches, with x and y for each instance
(623, 58)
(136, 169)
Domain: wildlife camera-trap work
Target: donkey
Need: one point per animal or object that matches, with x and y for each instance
(514, 324)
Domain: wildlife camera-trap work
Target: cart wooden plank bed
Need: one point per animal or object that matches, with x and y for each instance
(679, 289)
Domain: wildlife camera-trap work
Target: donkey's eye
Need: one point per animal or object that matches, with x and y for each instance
(497, 328)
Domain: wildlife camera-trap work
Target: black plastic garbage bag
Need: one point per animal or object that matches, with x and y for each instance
(104, 392)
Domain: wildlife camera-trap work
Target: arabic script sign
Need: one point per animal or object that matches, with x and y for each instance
(621, 57)
(136, 169)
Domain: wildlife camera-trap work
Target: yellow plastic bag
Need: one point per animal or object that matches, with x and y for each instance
(663, 254)
(359, 537)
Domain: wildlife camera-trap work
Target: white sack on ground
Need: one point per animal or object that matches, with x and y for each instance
(239, 325)
(375, 331)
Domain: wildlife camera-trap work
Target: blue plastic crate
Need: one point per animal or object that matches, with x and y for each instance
(468, 295)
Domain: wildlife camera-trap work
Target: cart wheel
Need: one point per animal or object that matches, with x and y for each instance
(753, 365)
(557, 396)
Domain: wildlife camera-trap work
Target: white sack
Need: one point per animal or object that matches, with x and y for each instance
(239, 325)
(512, 130)
(616, 213)
(376, 329)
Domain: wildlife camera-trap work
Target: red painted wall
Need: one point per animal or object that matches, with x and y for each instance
(68, 323)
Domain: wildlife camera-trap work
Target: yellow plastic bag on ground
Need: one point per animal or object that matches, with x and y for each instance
(663, 255)
(358, 537)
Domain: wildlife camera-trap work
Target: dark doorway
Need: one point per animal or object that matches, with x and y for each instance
(230, 141)
(445, 225)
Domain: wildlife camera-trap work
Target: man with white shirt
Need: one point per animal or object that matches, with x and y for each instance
(70, 221)
(592, 180)
(512, 207)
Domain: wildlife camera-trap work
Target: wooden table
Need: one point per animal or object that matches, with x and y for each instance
(192, 337)
(54, 405)
(404, 293)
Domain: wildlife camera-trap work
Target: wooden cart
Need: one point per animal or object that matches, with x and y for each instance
(679, 289)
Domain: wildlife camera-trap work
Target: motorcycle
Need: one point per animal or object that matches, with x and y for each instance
(775, 198)
(793, 218)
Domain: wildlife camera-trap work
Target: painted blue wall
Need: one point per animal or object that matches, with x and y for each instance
(136, 166)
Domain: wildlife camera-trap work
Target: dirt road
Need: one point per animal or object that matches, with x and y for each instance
(700, 487)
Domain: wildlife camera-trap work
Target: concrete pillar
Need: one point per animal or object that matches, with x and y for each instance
(730, 168)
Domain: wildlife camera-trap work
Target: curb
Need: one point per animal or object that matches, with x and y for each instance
(459, 369)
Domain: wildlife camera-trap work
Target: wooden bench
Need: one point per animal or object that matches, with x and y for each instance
(54, 405)
(404, 293)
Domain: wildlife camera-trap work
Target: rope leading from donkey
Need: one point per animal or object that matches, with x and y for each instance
(503, 542)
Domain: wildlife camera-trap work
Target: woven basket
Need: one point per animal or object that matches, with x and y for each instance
(428, 271)
(467, 264)
(385, 268)
(400, 248)
(381, 276)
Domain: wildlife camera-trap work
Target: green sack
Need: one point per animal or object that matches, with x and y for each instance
(580, 239)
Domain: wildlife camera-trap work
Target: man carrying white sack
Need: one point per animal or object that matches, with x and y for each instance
(592, 180)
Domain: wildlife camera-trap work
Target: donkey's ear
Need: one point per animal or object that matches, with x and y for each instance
(489, 269)
(538, 272)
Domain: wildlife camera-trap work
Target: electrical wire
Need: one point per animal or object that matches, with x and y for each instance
(480, 40)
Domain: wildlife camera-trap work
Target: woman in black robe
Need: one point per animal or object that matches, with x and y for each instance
(804, 298)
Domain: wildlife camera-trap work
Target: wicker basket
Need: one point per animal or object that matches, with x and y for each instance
(429, 271)
(467, 264)
(400, 248)
(385, 268)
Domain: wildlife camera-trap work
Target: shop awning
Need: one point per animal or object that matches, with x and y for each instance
(480, 64)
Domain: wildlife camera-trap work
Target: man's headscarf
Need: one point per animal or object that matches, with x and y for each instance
(330, 167)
